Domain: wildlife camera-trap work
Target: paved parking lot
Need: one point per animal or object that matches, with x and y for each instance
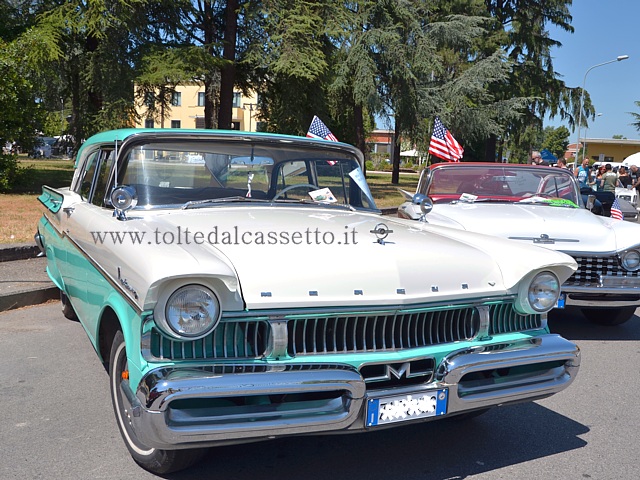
(57, 421)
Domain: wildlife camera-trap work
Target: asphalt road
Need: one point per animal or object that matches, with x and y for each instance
(57, 421)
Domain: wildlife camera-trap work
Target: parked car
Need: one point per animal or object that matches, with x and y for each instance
(44, 147)
(541, 206)
(258, 292)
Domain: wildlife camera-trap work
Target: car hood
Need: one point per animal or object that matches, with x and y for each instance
(558, 228)
(292, 257)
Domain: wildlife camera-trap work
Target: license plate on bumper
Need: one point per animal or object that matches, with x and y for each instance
(401, 408)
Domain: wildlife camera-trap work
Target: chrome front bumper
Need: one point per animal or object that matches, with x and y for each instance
(601, 297)
(184, 407)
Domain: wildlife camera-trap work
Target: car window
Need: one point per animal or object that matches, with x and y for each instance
(177, 173)
(503, 183)
(86, 180)
(102, 178)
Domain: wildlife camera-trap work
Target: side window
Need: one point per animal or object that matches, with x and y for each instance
(294, 173)
(102, 178)
(84, 185)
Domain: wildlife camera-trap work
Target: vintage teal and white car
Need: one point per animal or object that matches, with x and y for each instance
(542, 206)
(242, 287)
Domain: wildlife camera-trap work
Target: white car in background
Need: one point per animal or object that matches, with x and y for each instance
(541, 206)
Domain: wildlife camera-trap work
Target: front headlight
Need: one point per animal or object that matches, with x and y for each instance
(540, 295)
(192, 311)
(630, 260)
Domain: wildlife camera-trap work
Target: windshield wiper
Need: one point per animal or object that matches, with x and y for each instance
(209, 201)
(304, 201)
(482, 200)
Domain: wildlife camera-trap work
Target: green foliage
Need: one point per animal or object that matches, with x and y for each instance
(12, 175)
(636, 117)
(20, 115)
(556, 140)
(483, 66)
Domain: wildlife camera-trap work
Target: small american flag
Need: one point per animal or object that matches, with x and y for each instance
(616, 210)
(317, 129)
(443, 145)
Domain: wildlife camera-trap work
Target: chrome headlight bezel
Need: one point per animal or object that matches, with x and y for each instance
(540, 294)
(630, 260)
(176, 307)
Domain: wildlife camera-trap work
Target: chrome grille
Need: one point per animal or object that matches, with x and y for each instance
(590, 268)
(505, 319)
(237, 339)
(382, 332)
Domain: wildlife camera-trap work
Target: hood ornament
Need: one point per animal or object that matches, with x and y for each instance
(381, 231)
(545, 239)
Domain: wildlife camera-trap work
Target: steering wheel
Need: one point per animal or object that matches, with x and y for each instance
(291, 187)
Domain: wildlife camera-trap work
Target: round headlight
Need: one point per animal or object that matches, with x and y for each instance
(192, 311)
(630, 260)
(543, 292)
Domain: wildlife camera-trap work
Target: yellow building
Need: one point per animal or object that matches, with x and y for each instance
(187, 110)
(606, 149)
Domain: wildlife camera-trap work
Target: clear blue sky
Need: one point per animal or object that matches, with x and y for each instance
(602, 31)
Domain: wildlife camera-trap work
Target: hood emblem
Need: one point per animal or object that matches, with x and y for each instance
(545, 239)
(381, 231)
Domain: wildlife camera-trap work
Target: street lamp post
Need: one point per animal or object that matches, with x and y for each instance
(584, 82)
(584, 148)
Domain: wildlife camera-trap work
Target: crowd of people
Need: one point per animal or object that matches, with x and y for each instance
(600, 180)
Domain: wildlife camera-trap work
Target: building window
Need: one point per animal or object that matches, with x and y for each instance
(235, 125)
(261, 127)
(149, 99)
(148, 123)
(237, 99)
(175, 123)
(176, 99)
(199, 122)
(201, 99)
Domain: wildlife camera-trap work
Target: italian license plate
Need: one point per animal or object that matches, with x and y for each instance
(401, 408)
(562, 299)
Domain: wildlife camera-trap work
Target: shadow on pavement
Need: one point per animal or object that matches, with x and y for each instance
(572, 325)
(437, 450)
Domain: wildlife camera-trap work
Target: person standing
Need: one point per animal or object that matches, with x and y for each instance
(609, 179)
(582, 173)
(561, 163)
(634, 173)
(624, 177)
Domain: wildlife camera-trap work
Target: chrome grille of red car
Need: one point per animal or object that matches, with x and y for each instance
(590, 268)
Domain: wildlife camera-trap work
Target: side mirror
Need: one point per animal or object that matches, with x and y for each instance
(425, 203)
(123, 198)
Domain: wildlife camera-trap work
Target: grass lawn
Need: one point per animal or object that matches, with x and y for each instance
(20, 211)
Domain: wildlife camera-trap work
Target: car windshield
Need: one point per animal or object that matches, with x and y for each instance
(199, 174)
(540, 185)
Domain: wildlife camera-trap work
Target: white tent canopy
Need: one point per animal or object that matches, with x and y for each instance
(633, 159)
(410, 153)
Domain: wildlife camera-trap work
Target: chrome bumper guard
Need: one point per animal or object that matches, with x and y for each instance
(165, 412)
(607, 294)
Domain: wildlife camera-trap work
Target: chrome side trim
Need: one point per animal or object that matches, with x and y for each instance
(114, 283)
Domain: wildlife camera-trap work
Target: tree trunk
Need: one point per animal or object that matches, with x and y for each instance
(228, 71)
(208, 28)
(360, 140)
(395, 174)
(490, 149)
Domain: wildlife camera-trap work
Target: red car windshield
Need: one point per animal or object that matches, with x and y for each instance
(502, 183)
